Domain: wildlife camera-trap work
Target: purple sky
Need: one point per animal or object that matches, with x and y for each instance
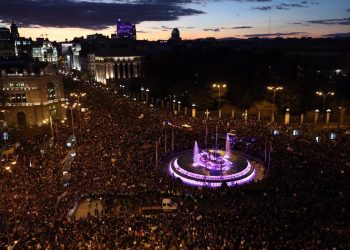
(60, 19)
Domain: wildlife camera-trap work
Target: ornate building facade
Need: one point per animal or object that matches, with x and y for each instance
(29, 99)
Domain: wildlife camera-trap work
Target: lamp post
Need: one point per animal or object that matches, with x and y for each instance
(219, 86)
(122, 87)
(287, 117)
(274, 89)
(328, 117)
(324, 95)
(78, 104)
(341, 116)
(142, 89)
(67, 105)
(316, 116)
(78, 95)
(147, 92)
(9, 247)
(193, 110)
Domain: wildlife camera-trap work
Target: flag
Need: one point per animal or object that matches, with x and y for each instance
(156, 153)
(206, 135)
(172, 139)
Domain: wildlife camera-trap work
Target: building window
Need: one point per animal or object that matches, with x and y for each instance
(18, 98)
(51, 91)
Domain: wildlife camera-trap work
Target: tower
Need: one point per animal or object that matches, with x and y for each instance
(126, 30)
(14, 31)
(175, 35)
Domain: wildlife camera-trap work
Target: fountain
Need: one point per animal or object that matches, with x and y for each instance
(211, 167)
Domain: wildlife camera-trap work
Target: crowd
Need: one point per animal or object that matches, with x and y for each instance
(303, 203)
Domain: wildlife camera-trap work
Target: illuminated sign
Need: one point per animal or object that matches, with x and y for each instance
(17, 85)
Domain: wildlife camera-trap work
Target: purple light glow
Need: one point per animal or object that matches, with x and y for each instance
(199, 183)
(219, 166)
(211, 178)
(208, 161)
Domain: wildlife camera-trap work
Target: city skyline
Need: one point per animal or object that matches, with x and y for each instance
(66, 19)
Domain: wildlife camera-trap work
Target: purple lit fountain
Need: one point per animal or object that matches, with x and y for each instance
(212, 167)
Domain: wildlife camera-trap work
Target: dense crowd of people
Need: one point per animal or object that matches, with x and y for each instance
(302, 203)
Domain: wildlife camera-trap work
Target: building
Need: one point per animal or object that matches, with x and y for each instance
(96, 36)
(88, 65)
(11, 44)
(29, 98)
(44, 51)
(125, 30)
(7, 46)
(175, 35)
(14, 32)
(117, 67)
(23, 46)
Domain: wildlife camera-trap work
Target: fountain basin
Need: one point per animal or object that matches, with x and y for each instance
(211, 170)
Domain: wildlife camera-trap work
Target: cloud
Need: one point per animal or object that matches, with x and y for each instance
(285, 6)
(213, 30)
(92, 14)
(241, 27)
(264, 8)
(236, 27)
(170, 28)
(335, 21)
(300, 23)
(338, 35)
(166, 27)
(276, 34)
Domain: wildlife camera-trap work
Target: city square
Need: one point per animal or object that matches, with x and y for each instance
(122, 141)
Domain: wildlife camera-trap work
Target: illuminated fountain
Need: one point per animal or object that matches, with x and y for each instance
(212, 167)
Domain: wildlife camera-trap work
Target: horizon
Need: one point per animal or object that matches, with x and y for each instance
(195, 19)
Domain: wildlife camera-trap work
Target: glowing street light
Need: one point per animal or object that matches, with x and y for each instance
(142, 89)
(193, 110)
(324, 95)
(219, 86)
(70, 106)
(274, 89)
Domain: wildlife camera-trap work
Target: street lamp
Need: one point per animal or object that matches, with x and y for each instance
(316, 116)
(193, 110)
(9, 247)
(324, 95)
(274, 89)
(122, 87)
(70, 106)
(219, 86)
(142, 89)
(341, 116)
(147, 92)
(78, 96)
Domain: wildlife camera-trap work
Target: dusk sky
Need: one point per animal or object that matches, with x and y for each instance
(61, 19)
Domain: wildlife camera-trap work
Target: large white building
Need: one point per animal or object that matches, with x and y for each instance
(117, 67)
(45, 52)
